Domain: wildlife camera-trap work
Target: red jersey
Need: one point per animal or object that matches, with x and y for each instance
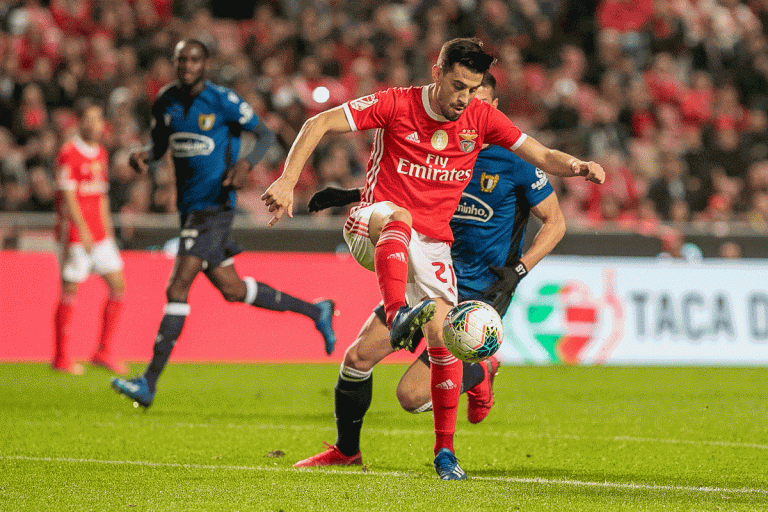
(420, 160)
(82, 169)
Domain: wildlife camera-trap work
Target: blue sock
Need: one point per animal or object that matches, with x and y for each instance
(264, 296)
(167, 334)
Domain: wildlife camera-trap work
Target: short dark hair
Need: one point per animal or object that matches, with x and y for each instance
(84, 104)
(467, 52)
(199, 43)
(489, 81)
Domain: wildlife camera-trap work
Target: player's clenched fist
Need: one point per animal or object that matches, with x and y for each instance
(591, 171)
(279, 198)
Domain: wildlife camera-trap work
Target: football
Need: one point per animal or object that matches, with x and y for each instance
(472, 331)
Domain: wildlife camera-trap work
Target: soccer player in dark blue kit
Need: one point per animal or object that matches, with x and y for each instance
(489, 230)
(201, 124)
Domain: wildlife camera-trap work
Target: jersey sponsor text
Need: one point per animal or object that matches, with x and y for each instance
(428, 172)
(473, 208)
(186, 145)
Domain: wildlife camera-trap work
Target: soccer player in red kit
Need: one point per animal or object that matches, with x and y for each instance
(84, 229)
(424, 149)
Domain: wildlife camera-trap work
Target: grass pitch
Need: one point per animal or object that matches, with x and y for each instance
(224, 437)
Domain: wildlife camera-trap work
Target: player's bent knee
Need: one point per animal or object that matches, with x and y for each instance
(177, 292)
(401, 215)
(352, 359)
(410, 401)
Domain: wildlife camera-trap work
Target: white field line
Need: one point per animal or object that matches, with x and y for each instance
(425, 431)
(395, 474)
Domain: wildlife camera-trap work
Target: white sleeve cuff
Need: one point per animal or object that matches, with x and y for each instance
(519, 142)
(348, 114)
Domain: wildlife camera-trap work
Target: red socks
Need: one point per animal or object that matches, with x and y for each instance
(61, 321)
(391, 263)
(445, 384)
(110, 317)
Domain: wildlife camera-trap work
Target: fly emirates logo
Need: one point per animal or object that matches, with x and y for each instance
(434, 170)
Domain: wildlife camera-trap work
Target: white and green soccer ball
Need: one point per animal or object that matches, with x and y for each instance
(472, 331)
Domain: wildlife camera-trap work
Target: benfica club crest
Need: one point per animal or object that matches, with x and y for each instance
(488, 182)
(467, 143)
(206, 121)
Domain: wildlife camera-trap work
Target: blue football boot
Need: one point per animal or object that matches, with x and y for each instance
(324, 324)
(447, 466)
(136, 389)
(407, 321)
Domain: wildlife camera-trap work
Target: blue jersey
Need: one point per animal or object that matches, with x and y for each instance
(204, 139)
(490, 220)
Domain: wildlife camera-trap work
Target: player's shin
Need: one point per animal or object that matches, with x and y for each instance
(445, 385)
(352, 399)
(472, 373)
(261, 295)
(110, 316)
(391, 263)
(62, 319)
(169, 331)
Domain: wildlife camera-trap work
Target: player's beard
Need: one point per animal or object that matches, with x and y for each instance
(451, 113)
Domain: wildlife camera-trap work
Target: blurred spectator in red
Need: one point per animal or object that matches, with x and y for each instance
(663, 80)
(624, 15)
(32, 115)
(160, 75)
(638, 115)
(518, 89)
(73, 16)
(666, 29)
(696, 102)
(618, 198)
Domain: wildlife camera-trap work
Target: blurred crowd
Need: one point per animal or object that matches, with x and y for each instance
(669, 96)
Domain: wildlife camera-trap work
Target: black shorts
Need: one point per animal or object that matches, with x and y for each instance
(207, 235)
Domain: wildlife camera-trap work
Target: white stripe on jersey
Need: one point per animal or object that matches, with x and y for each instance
(373, 173)
(348, 115)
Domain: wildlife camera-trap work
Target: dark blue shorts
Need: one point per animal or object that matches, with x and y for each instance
(207, 235)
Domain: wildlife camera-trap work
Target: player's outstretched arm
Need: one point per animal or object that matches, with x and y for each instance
(279, 196)
(333, 196)
(548, 236)
(558, 163)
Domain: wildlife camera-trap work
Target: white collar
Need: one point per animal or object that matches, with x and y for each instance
(425, 91)
(88, 150)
